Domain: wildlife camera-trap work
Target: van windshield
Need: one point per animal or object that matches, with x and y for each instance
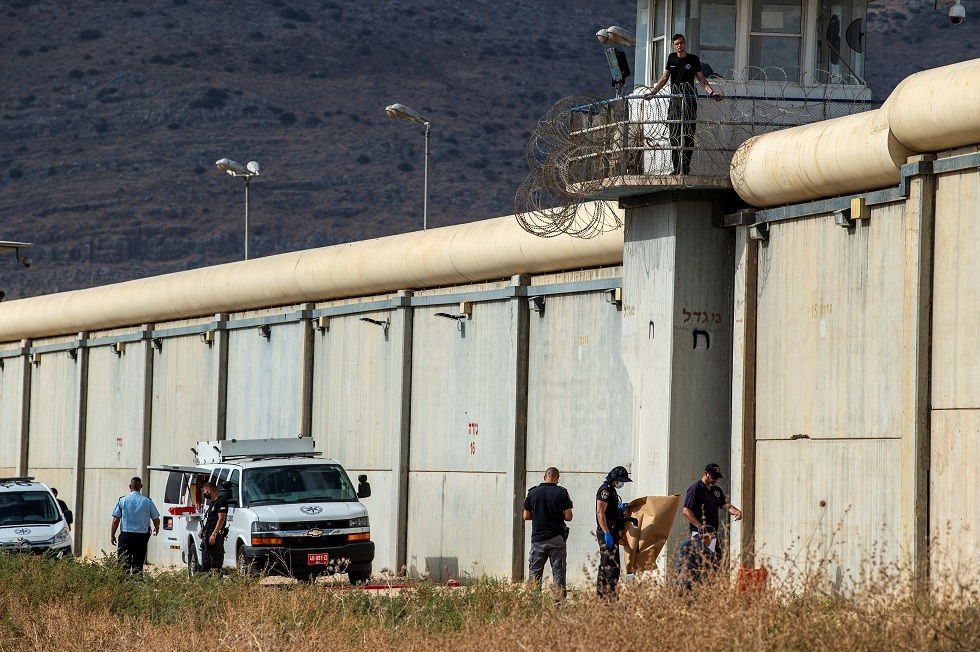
(28, 508)
(300, 483)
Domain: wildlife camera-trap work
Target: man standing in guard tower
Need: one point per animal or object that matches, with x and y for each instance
(610, 523)
(682, 69)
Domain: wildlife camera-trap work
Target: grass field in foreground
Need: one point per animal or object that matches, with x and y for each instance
(93, 606)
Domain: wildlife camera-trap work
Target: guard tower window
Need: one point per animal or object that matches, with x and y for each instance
(774, 42)
(841, 27)
(717, 38)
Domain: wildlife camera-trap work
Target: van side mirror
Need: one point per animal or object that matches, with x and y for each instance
(363, 487)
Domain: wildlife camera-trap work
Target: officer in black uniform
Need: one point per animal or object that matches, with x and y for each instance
(213, 531)
(610, 523)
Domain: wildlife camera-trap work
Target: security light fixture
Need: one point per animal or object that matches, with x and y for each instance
(15, 247)
(247, 171)
(402, 112)
(72, 354)
(536, 304)
(377, 322)
(616, 36)
(265, 331)
(446, 315)
(759, 231)
(619, 68)
(158, 343)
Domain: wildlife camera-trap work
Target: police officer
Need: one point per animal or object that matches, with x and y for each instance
(701, 504)
(212, 533)
(610, 522)
(548, 507)
(132, 516)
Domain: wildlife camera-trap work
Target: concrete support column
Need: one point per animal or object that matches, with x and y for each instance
(306, 383)
(916, 378)
(406, 314)
(146, 425)
(220, 343)
(81, 380)
(742, 473)
(517, 475)
(677, 340)
(24, 439)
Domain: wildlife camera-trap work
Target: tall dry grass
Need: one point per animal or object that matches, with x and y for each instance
(49, 605)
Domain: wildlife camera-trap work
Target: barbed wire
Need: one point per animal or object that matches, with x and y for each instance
(586, 146)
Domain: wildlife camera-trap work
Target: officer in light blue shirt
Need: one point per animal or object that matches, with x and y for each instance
(134, 512)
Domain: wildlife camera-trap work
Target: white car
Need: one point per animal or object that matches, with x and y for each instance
(30, 519)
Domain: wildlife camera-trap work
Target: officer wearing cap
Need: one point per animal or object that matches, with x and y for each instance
(610, 522)
(703, 500)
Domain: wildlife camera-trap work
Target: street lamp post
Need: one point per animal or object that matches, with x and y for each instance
(246, 172)
(402, 112)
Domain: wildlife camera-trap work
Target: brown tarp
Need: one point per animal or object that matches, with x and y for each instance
(644, 541)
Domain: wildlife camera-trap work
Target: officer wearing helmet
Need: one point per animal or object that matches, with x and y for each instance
(610, 523)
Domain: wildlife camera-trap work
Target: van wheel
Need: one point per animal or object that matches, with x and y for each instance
(245, 569)
(359, 577)
(193, 568)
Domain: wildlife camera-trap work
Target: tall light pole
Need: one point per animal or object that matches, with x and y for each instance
(246, 172)
(402, 112)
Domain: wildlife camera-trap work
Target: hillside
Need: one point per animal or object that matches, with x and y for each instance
(113, 114)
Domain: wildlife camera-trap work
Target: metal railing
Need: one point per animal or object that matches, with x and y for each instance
(587, 148)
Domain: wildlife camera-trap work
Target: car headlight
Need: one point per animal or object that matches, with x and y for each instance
(264, 526)
(360, 521)
(63, 537)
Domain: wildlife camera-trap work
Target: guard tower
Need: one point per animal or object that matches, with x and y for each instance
(778, 63)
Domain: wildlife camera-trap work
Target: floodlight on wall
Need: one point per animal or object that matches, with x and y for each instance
(247, 171)
(322, 324)
(465, 312)
(759, 231)
(615, 35)
(265, 331)
(119, 348)
(158, 343)
(843, 218)
(402, 112)
(377, 322)
(208, 337)
(536, 304)
(615, 296)
(72, 354)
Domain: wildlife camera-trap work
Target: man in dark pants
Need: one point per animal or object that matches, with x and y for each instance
(682, 113)
(610, 522)
(701, 504)
(548, 507)
(134, 513)
(212, 533)
(694, 559)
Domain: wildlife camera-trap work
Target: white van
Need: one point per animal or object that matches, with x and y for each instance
(290, 512)
(31, 520)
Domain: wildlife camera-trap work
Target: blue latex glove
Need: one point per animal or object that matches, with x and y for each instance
(622, 507)
(609, 541)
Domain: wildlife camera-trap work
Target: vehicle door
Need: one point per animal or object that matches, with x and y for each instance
(226, 479)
